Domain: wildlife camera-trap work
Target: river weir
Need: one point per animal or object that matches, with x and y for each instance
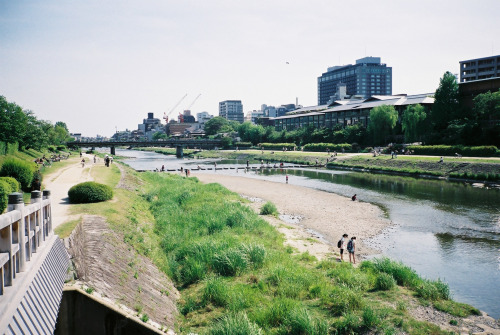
(445, 230)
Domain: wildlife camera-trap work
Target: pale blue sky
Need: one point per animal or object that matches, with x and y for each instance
(100, 64)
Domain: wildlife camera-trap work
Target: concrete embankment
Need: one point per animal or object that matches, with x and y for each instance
(115, 274)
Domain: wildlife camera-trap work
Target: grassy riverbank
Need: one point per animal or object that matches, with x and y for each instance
(462, 168)
(234, 273)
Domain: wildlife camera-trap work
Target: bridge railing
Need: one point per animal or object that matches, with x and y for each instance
(23, 230)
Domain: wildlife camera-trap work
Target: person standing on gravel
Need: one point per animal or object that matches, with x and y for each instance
(342, 246)
(351, 248)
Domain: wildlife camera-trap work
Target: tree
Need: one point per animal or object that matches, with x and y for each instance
(382, 121)
(13, 121)
(219, 124)
(446, 106)
(413, 123)
(61, 124)
(487, 106)
(36, 134)
(159, 135)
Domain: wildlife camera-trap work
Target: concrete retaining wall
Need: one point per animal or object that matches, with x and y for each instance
(33, 306)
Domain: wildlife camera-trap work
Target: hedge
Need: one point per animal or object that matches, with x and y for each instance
(20, 170)
(277, 146)
(243, 144)
(5, 190)
(88, 192)
(451, 150)
(325, 146)
(14, 184)
(8, 148)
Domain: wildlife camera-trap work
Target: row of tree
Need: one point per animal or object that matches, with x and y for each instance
(448, 122)
(22, 127)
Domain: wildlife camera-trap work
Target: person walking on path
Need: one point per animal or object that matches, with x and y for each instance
(351, 248)
(342, 246)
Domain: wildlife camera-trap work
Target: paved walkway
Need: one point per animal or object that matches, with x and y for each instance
(59, 183)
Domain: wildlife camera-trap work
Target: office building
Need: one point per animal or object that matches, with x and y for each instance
(479, 68)
(366, 78)
(231, 110)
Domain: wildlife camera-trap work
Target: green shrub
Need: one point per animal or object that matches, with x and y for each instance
(216, 291)
(277, 146)
(88, 192)
(348, 324)
(61, 148)
(327, 146)
(275, 314)
(20, 170)
(345, 274)
(456, 308)
(256, 254)
(243, 144)
(298, 321)
(14, 184)
(192, 271)
(144, 318)
(5, 190)
(269, 209)
(451, 150)
(341, 300)
(404, 275)
(188, 306)
(384, 282)
(433, 290)
(230, 262)
(370, 318)
(235, 324)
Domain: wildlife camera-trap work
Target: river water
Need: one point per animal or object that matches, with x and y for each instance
(442, 229)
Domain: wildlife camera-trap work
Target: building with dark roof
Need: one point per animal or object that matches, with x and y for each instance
(365, 78)
(347, 112)
(479, 68)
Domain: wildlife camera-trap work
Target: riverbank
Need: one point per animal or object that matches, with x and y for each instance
(230, 267)
(328, 214)
(289, 280)
(464, 169)
(468, 169)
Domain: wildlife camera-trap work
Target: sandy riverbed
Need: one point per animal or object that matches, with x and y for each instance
(328, 214)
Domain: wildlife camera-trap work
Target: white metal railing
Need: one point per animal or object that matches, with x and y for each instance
(23, 229)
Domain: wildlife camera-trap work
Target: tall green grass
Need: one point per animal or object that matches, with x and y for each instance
(236, 276)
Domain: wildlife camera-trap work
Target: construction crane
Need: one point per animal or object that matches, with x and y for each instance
(166, 115)
(181, 116)
(191, 105)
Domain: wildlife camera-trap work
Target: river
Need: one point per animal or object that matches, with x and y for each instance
(445, 230)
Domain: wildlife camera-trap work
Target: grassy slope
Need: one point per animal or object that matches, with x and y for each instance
(213, 244)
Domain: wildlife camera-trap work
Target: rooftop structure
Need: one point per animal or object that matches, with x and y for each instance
(365, 78)
(346, 112)
(479, 68)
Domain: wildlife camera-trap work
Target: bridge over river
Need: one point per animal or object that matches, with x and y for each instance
(179, 144)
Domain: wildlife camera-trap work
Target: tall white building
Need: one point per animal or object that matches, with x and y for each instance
(231, 110)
